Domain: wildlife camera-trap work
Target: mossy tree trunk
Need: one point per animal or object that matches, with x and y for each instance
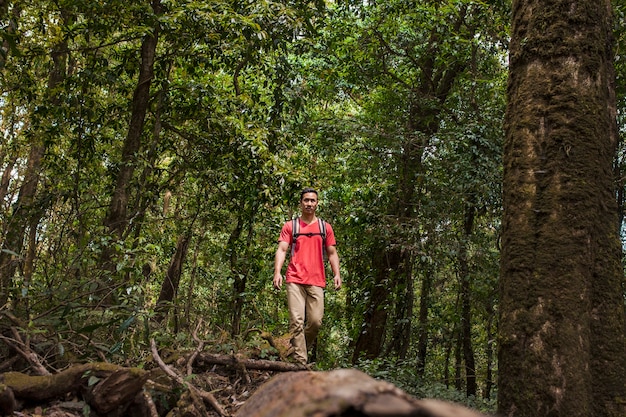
(561, 307)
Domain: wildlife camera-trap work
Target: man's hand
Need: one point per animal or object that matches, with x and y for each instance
(337, 281)
(278, 281)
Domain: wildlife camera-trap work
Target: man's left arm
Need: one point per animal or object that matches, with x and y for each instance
(333, 258)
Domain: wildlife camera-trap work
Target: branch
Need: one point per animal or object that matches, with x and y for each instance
(195, 392)
(258, 364)
(198, 349)
(27, 353)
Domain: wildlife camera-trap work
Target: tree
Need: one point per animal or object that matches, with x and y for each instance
(116, 220)
(27, 211)
(562, 349)
(408, 70)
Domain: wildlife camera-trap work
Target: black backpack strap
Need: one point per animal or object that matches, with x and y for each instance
(295, 229)
(322, 225)
(295, 232)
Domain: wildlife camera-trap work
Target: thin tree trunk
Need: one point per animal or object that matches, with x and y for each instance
(24, 209)
(18, 221)
(422, 338)
(117, 220)
(489, 352)
(241, 270)
(169, 287)
(239, 278)
(29, 259)
(189, 299)
(458, 360)
(6, 178)
(466, 301)
(446, 369)
(401, 334)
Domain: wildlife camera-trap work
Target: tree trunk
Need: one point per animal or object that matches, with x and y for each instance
(169, 288)
(458, 359)
(116, 220)
(6, 178)
(448, 357)
(239, 279)
(24, 209)
(193, 276)
(562, 350)
(370, 341)
(422, 337)
(466, 301)
(401, 334)
(489, 353)
(422, 123)
(115, 386)
(18, 222)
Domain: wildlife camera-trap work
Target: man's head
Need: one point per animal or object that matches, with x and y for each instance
(307, 190)
(308, 200)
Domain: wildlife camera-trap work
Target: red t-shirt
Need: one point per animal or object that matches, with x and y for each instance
(306, 265)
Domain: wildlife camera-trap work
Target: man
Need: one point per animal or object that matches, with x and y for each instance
(305, 277)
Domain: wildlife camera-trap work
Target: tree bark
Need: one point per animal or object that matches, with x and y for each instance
(207, 360)
(562, 350)
(6, 178)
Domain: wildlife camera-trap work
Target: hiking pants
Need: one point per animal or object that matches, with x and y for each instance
(306, 309)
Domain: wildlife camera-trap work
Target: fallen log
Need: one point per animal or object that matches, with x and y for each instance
(340, 393)
(204, 359)
(107, 388)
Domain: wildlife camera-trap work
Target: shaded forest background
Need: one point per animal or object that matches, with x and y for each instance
(151, 151)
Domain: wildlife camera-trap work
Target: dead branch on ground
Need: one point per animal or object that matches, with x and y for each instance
(195, 392)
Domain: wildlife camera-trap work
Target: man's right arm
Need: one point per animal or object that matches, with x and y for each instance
(279, 260)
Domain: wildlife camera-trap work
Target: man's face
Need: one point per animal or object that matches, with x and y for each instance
(308, 203)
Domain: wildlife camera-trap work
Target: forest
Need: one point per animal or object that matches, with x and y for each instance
(151, 151)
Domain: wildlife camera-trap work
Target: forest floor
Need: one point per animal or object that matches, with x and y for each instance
(194, 384)
(201, 384)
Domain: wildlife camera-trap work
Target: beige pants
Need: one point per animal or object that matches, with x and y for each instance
(306, 309)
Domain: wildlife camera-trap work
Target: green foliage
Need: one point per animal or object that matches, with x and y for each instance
(403, 375)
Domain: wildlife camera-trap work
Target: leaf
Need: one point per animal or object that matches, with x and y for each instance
(93, 380)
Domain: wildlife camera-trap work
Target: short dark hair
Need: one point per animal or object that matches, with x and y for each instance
(306, 190)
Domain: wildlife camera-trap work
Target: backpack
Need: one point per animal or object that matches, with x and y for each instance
(295, 232)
